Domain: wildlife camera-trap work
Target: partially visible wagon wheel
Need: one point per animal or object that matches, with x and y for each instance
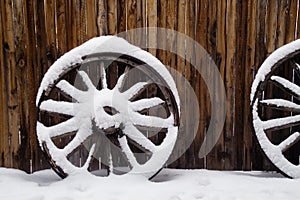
(107, 107)
(275, 97)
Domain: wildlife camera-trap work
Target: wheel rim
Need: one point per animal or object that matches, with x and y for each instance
(109, 104)
(275, 108)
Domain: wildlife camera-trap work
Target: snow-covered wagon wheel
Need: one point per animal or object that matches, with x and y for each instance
(275, 97)
(107, 107)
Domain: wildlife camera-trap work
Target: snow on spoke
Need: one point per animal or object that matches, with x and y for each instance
(120, 82)
(133, 133)
(83, 132)
(145, 103)
(151, 121)
(135, 89)
(293, 88)
(86, 79)
(281, 123)
(64, 127)
(281, 103)
(61, 107)
(287, 143)
(69, 89)
(125, 148)
(103, 75)
(296, 68)
(88, 160)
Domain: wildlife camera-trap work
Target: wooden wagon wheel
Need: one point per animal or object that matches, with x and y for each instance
(275, 100)
(107, 103)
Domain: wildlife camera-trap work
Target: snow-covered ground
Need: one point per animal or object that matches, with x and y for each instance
(168, 185)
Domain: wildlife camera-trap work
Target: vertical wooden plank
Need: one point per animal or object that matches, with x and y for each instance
(152, 22)
(179, 80)
(171, 59)
(40, 68)
(291, 20)
(102, 18)
(191, 76)
(81, 21)
(20, 43)
(218, 157)
(50, 30)
(282, 16)
(297, 32)
(231, 38)
(141, 23)
(201, 38)
(91, 19)
(121, 16)
(236, 158)
(31, 70)
(12, 90)
(71, 24)
(220, 58)
(271, 25)
(258, 158)
(162, 13)
(61, 28)
(4, 142)
(249, 69)
(112, 17)
(131, 10)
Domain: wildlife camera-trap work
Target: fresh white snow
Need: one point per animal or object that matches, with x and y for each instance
(170, 184)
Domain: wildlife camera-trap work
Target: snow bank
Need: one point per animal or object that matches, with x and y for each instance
(168, 185)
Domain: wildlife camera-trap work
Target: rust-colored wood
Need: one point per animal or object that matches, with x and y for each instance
(61, 27)
(102, 17)
(259, 162)
(71, 24)
(112, 17)
(291, 21)
(4, 143)
(131, 10)
(50, 30)
(11, 82)
(236, 159)
(121, 17)
(249, 72)
(237, 34)
(91, 19)
(152, 22)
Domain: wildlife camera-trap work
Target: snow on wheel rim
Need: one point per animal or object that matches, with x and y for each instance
(276, 110)
(108, 108)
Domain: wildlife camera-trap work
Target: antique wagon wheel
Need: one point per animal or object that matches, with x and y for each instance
(107, 103)
(275, 97)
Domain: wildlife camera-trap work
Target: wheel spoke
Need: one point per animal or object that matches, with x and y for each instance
(89, 158)
(103, 75)
(281, 104)
(60, 107)
(83, 132)
(69, 89)
(135, 90)
(289, 142)
(286, 85)
(151, 121)
(86, 79)
(125, 148)
(281, 123)
(296, 68)
(146, 103)
(62, 128)
(133, 133)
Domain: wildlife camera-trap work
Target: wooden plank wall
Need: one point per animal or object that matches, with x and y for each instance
(238, 34)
